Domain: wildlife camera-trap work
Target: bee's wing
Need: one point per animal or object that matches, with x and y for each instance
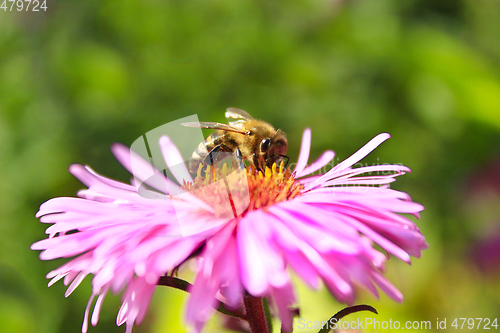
(237, 116)
(219, 126)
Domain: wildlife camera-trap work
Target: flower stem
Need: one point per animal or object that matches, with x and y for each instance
(170, 281)
(255, 314)
(267, 313)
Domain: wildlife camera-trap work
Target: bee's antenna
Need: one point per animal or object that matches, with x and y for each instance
(287, 159)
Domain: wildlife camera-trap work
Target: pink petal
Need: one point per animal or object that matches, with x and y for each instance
(261, 266)
(96, 184)
(353, 159)
(174, 160)
(141, 169)
(315, 235)
(75, 284)
(110, 182)
(304, 151)
(377, 238)
(97, 309)
(301, 265)
(323, 160)
(349, 172)
(387, 287)
(218, 268)
(85, 325)
(284, 298)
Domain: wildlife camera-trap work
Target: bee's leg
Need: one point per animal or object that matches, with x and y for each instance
(209, 159)
(212, 157)
(239, 158)
(256, 162)
(287, 159)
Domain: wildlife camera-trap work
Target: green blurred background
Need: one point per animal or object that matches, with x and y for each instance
(85, 74)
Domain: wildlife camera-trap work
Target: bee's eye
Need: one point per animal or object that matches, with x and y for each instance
(264, 145)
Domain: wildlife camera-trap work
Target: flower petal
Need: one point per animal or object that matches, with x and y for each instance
(174, 160)
(141, 169)
(356, 157)
(261, 266)
(323, 160)
(304, 151)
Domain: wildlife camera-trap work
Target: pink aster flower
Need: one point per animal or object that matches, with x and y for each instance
(321, 226)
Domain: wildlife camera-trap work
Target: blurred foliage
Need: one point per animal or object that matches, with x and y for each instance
(86, 74)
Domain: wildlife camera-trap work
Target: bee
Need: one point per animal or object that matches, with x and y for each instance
(247, 138)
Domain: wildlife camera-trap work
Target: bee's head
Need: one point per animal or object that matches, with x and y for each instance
(274, 148)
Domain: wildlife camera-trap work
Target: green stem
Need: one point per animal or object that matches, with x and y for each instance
(267, 312)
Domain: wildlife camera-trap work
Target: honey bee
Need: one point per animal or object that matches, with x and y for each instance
(247, 138)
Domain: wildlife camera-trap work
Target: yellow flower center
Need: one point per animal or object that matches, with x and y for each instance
(233, 192)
